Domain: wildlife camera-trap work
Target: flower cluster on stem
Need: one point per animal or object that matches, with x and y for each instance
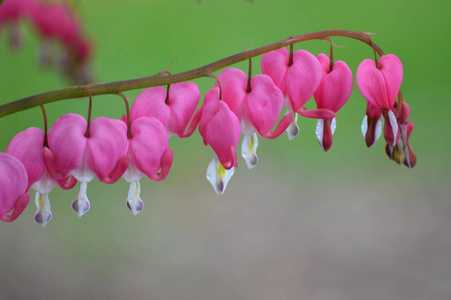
(76, 149)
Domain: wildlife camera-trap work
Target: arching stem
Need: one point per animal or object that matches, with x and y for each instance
(162, 79)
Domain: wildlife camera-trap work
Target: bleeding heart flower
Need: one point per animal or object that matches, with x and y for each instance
(332, 93)
(220, 128)
(102, 153)
(149, 153)
(380, 86)
(28, 147)
(13, 187)
(174, 109)
(257, 104)
(298, 79)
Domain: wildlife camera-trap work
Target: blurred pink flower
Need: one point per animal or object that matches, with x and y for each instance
(13, 187)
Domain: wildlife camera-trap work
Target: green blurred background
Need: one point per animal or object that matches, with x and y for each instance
(304, 224)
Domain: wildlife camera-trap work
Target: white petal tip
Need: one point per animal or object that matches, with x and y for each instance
(249, 150)
(319, 131)
(44, 213)
(218, 176)
(293, 129)
(364, 126)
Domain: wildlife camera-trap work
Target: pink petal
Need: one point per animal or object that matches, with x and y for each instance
(402, 115)
(380, 86)
(107, 144)
(303, 77)
(193, 124)
(281, 127)
(148, 144)
(183, 100)
(336, 85)
(373, 111)
(264, 103)
(275, 65)
(166, 163)
(209, 109)
(27, 146)
(151, 103)
(391, 68)
(121, 166)
(234, 86)
(13, 187)
(223, 134)
(320, 113)
(67, 183)
(67, 144)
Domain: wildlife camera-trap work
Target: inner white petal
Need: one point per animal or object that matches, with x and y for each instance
(333, 125)
(45, 184)
(44, 213)
(364, 126)
(132, 173)
(393, 124)
(249, 150)
(293, 129)
(84, 174)
(320, 131)
(134, 202)
(81, 203)
(378, 131)
(406, 152)
(218, 176)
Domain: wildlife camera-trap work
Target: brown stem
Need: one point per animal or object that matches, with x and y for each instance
(44, 115)
(88, 132)
(127, 109)
(219, 84)
(167, 94)
(159, 79)
(249, 76)
(331, 59)
(290, 60)
(372, 44)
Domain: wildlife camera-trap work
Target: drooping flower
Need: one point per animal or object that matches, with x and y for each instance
(11, 13)
(372, 124)
(148, 148)
(100, 152)
(63, 42)
(257, 104)
(298, 78)
(13, 187)
(220, 128)
(402, 152)
(332, 93)
(174, 108)
(380, 86)
(28, 147)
